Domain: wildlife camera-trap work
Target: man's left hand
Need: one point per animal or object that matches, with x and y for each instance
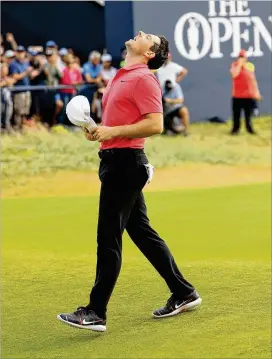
(103, 133)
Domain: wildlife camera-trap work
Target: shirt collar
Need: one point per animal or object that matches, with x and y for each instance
(134, 67)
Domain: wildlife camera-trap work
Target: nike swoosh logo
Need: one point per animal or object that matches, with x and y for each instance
(87, 323)
(180, 305)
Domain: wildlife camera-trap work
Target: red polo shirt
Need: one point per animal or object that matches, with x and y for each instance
(244, 85)
(129, 96)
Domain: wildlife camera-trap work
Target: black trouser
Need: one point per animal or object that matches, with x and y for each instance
(239, 104)
(122, 206)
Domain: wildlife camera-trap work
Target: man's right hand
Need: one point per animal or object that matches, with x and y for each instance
(10, 37)
(258, 97)
(88, 135)
(29, 69)
(241, 61)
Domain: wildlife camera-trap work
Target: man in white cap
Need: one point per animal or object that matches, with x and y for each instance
(9, 56)
(107, 71)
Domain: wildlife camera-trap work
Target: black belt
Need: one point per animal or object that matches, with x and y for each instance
(124, 155)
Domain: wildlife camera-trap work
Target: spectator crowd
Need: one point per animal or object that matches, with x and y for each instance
(37, 83)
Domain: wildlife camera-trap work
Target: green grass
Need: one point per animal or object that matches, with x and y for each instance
(42, 152)
(220, 238)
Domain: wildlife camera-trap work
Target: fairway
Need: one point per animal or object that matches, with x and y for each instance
(220, 238)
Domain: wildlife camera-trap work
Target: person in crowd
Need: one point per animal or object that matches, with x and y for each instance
(62, 53)
(51, 45)
(37, 78)
(71, 75)
(96, 106)
(52, 72)
(107, 71)
(9, 56)
(54, 105)
(20, 71)
(92, 69)
(6, 98)
(173, 107)
(170, 71)
(245, 92)
(77, 59)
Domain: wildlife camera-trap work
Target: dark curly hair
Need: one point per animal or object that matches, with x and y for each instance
(161, 54)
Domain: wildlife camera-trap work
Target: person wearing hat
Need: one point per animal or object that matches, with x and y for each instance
(245, 92)
(107, 71)
(51, 45)
(54, 105)
(20, 70)
(37, 78)
(173, 107)
(9, 56)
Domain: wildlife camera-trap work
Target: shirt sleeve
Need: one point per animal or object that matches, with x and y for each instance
(148, 95)
(85, 69)
(179, 92)
(13, 69)
(177, 68)
(79, 77)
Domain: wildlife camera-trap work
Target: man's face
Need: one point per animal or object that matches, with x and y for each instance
(142, 43)
(21, 55)
(52, 59)
(95, 60)
(106, 64)
(9, 60)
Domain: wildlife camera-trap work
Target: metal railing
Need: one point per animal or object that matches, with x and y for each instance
(48, 88)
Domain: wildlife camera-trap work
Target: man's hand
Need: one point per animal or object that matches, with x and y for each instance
(181, 75)
(10, 81)
(241, 61)
(258, 97)
(167, 100)
(29, 70)
(10, 37)
(104, 133)
(88, 135)
(34, 74)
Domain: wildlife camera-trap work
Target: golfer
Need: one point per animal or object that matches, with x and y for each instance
(132, 110)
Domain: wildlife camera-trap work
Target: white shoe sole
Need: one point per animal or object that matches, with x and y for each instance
(184, 308)
(95, 328)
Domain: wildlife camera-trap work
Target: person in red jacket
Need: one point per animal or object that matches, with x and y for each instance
(245, 92)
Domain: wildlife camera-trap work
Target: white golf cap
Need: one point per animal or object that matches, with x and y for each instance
(106, 58)
(63, 51)
(78, 109)
(78, 112)
(9, 54)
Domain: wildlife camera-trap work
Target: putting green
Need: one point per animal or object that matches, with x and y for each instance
(220, 237)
